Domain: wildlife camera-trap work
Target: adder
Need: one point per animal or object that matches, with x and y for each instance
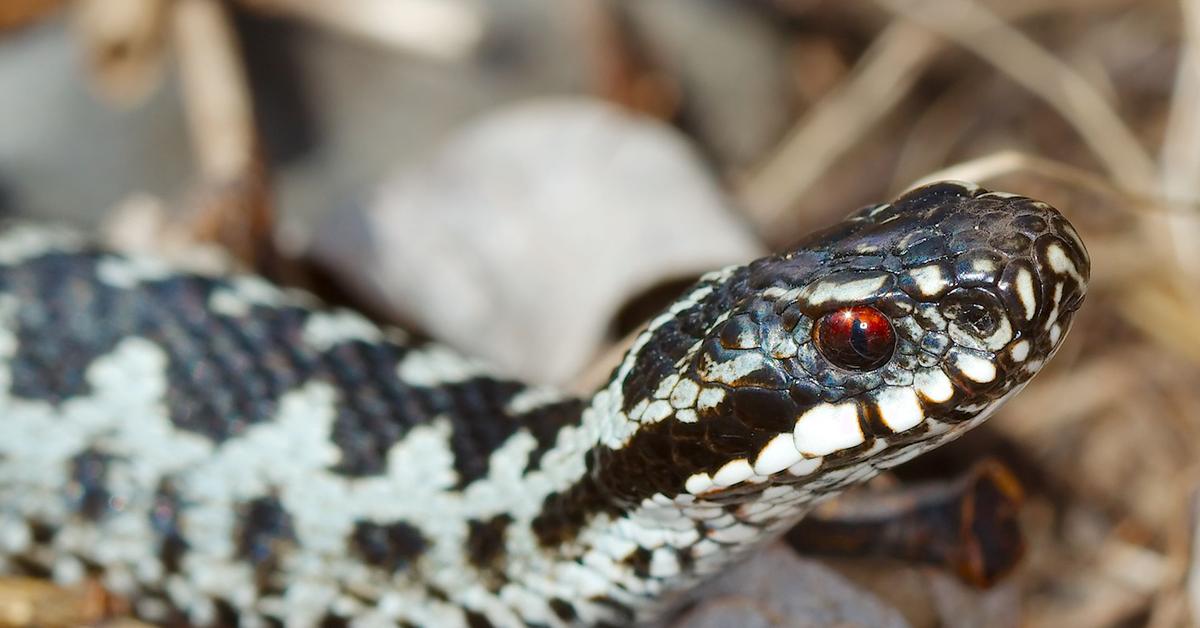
(219, 450)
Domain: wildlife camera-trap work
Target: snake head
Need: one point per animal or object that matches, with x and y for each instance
(874, 340)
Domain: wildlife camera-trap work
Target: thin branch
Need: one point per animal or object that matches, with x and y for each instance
(442, 29)
(880, 80)
(234, 205)
(219, 112)
(977, 29)
(1180, 153)
(1007, 162)
(123, 43)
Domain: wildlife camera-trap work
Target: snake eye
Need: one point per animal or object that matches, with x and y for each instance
(858, 338)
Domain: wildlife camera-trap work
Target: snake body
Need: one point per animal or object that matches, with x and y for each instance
(223, 451)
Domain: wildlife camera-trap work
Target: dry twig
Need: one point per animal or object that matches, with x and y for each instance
(880, 80)
(123, 46)
(235, 204)
(441, 29)
(1180, 154)
(977, 29)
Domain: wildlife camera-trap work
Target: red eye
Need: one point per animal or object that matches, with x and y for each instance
(859, 338)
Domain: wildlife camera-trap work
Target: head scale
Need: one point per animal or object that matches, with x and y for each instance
(867, 344)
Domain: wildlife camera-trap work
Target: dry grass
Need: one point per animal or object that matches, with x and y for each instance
(1110, 435)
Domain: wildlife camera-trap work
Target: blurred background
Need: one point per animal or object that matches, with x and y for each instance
(529, 180)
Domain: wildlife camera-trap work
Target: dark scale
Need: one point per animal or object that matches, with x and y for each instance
(365, 429)
(62, 295)
(639, 559)
(544, 424)
(264, 536)
(87, 491)
(165, 520)
(477, 620)
(226, 614)
(228, 373)
(671, 341)
(265, 527)
(485, 541)
(390, 546)
(562, 609)
(625, 615)
(331, 620)
(480, 423)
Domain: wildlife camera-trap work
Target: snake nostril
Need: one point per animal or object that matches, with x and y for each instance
(1013, 243)
(1074, 300)
(978, 319)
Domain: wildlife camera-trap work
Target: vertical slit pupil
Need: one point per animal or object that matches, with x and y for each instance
(856, 337)
(860, 338)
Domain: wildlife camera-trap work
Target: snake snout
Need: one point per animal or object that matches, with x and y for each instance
(1043, 282)
(1047, 284)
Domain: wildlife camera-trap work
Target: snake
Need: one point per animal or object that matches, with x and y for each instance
(220, 450)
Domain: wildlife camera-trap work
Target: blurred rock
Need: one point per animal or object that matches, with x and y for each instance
(520, 240)
(67, 156)
(733, 65)
(781, 590)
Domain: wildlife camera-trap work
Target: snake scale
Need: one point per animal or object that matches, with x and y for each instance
(221, 451)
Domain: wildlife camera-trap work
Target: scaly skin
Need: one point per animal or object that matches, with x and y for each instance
(221, 450)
